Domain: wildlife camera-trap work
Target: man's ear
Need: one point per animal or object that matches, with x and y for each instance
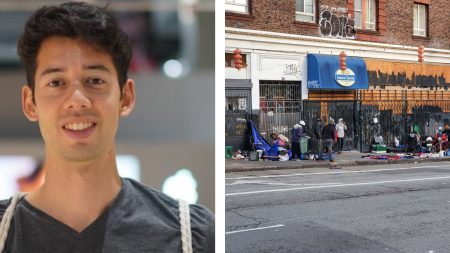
(28, 105)
(128, 98)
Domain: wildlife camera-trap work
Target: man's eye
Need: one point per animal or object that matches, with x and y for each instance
(94, 81)
(55, 83)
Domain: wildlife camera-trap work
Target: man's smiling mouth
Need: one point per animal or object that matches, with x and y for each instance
(79, 126)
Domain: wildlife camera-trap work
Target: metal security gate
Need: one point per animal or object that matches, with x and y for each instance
(386, 119)
(313, 110)
(237, 111)
(280, 107)
(347, 111)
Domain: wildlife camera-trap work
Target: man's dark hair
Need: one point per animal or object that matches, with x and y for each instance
(92, 24)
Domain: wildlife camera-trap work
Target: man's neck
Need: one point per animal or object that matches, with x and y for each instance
(77, 193)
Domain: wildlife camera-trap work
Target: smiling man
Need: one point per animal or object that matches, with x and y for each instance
(76, 60)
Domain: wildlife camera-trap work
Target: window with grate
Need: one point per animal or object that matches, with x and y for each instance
(239, 6)
(420, 20)
(280, 96)
(236, 104)
(305, 10)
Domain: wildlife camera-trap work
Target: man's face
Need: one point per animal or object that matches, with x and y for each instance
(77, 99)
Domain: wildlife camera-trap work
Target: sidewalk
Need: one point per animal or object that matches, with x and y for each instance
(347, 158)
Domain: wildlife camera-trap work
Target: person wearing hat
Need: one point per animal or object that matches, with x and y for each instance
(305, 134)
(304, 128)
(328, 134)
(296, 134)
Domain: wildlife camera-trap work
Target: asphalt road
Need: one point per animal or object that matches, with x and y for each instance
(403, 208)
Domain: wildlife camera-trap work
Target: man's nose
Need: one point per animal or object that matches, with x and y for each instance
(77, 98)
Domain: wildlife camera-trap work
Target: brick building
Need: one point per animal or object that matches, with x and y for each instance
(290, 65)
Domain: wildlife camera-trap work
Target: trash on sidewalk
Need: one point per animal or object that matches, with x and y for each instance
(391, 157)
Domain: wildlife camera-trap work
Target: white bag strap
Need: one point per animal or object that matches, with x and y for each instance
(7, 217)
(185, 222)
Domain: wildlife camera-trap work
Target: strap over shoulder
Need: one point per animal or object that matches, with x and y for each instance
(7, 217)
(185, 223)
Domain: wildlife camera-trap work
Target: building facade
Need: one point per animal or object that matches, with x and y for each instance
(290, 67)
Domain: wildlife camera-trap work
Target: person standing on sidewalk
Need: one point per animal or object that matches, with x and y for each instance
(296, 134)
(318, 126)
(328, 134)
(341, 127)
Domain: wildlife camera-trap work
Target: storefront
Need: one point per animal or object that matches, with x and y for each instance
(294, 78)
(403, 94)
(395, 96)
(332, 93)
(237, 112)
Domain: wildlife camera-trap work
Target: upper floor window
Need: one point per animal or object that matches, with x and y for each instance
(305, 10)
(240, 6)
(365, 14)
(420, 20)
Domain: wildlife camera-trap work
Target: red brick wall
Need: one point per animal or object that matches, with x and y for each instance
(400, 25)
(394, 21)
(271, 15)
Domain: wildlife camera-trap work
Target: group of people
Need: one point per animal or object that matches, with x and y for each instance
(326, 135)
(329, 134)
(440, 141)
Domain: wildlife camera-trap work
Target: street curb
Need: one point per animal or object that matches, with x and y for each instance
(324, 164)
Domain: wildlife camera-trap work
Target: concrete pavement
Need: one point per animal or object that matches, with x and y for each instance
(346, 158)
(370, 209)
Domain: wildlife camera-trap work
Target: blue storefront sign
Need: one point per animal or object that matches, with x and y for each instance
(324, 73)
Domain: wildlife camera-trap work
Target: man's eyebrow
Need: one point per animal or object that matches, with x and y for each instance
(51, 70)
(88, 67)
(97, 67)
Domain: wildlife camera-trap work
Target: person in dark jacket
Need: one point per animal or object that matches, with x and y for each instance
(296, 134)
(318, 126)
(328, 136)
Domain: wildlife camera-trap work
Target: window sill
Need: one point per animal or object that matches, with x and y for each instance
(306, 24)
(423, 38)
(368, 32)
(238, 16)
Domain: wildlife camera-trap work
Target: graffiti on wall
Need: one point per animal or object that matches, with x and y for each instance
(292, 70)
(333, 23)
(407, 75)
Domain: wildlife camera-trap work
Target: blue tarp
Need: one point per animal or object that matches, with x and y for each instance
(258, 141)
(322, 72)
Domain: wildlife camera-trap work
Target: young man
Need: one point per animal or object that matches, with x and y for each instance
(76, 59)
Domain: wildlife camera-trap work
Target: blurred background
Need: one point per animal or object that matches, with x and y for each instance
(168, 141)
